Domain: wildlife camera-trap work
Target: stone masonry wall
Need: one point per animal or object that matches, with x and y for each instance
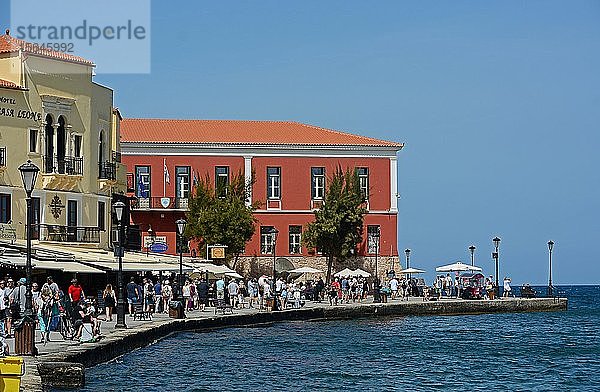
(256, 266)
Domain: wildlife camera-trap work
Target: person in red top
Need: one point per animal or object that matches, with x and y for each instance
(75, 292)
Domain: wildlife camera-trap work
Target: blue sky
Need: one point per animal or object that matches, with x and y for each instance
(497, 103)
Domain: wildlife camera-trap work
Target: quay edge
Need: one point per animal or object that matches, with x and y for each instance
(44, 372)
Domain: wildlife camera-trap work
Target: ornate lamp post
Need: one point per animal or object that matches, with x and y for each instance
(472, 250)
(181, 225)
(29, 173)
(495, 255)
(118, 208)
(274, 233)
(550, 288)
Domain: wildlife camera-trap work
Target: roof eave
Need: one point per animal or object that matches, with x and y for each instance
(387, 147)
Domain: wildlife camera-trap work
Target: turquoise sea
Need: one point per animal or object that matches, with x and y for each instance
(557, 351)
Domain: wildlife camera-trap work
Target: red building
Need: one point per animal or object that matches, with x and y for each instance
(291, 162)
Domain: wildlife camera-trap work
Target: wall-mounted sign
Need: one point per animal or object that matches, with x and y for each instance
(165, 201)
(17, 112)
(158, 247)
(56, 206)
(158, 238)
(217, 252)
(7, 232)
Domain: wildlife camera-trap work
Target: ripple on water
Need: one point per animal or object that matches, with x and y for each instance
(520, 352)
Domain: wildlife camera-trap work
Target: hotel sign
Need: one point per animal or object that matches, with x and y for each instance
(16, 112)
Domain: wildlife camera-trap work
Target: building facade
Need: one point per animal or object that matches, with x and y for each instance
(291, 163)
(52, 113)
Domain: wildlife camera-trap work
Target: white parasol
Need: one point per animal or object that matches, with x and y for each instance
(305, 270)
(363, 273)
(458, 266)
(412, 271)
(345, 272)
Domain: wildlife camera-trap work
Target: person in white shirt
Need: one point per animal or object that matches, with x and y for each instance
(394, 287)
(507, 289)
(233, 290)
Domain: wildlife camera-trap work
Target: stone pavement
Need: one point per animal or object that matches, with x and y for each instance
(57, 343)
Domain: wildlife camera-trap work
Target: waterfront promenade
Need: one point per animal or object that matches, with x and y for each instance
(65, 360)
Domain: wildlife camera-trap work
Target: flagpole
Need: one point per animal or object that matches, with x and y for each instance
(164, 177)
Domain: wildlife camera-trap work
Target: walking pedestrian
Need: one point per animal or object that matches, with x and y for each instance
(110, 301)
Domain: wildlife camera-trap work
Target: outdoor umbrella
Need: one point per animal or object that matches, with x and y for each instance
(359, 272)
(345, 272)
(412, 271)
(305, 270)
(458, 266)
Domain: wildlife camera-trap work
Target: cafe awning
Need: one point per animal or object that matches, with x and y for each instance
(138, 267)
(66, 266)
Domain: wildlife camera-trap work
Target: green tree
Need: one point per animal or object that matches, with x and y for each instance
(221, 216)
(338, 224)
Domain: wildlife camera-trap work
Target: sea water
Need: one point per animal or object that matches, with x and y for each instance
(556, 351)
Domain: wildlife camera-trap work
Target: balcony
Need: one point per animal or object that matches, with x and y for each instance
(58, 233)
(107, 171)
(159, 203)
(61, 173)
(72, 166)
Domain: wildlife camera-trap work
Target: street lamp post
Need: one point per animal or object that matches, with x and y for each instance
(550, 288)
(407, 253)
(472, 250)
(496, 255)
(181, 225)
(150, 241)
(29, 173)
(274, 233)
(376, 292)
(118, 207)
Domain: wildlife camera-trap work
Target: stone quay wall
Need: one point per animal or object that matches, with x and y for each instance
(65, 369)
(259, 265)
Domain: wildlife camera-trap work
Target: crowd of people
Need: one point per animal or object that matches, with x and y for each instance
(50, 303)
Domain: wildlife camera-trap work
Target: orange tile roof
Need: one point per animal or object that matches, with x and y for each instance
(239, 132)
(11, 85)
(10, 44)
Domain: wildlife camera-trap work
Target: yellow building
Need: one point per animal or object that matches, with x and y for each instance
(52, 113)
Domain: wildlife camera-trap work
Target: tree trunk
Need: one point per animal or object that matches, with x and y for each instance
(329, 266)
(235, 260)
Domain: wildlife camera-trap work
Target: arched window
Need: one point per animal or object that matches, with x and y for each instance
(101, 148)
(61, 145)
(49, 145)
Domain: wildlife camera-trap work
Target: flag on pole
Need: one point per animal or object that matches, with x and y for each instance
(141, 188)
(167, 177)
(195, 178)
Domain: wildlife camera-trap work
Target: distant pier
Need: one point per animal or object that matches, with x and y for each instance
(62, 364)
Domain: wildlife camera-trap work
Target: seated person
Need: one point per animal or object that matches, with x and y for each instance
(90, 317)
(426, 296)
(78, 315)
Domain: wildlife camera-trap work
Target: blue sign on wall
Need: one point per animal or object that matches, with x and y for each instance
(159, 247)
